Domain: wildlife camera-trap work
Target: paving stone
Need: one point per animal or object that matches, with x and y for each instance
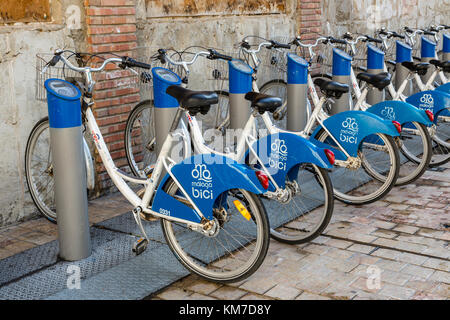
(251, 296)
(392, 277)
(259, 285)
(411, 258)
(386, 253)
(384, 233)
(437, 264)
(382, 224)
(283, 292)
(173, 294)
(396, 292)
(341, 244)
(443, 290)
(228, 293)
(203, 287)
(440, 276)
(311, 296)
(199, 296)
(406, 229)
(417, 271)
(361, 248)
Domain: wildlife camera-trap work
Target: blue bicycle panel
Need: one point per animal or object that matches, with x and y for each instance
(400, 111)
(444, 88)
(205, 178)
(282, 152)
(349, 128)
(433, 100)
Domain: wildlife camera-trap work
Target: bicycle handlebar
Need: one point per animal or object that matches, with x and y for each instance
(210, 54)
(125, 62)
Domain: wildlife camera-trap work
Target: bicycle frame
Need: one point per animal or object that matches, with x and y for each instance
(195, 219)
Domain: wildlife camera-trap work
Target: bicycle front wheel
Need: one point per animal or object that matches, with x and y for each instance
(307, 212)
(235, 251)
(373, 174)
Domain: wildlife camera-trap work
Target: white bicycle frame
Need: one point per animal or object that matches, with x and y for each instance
(120, 178)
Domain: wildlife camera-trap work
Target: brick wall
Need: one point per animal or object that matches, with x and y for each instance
(111, 27)
(310, 18)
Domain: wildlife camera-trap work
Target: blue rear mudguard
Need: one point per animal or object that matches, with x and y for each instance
(444, 88)
(400, 111)
(205, 178)
(282, 153)
(433, 100)
(352, 127)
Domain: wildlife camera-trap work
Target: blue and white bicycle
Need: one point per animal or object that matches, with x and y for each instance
(299, 199)
(211, 216)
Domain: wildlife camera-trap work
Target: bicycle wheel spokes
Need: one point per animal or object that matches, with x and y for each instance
(140, 143)
(277, 88)
(307, 212)
(415, 152)
(441, 139)
(233, 252)
(39, 170)
(373, 177)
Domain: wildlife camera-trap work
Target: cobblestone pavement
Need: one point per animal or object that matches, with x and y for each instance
(397, 248)
(404, 239)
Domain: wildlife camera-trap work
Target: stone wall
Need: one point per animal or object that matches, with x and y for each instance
(19, 110)
(365, 16)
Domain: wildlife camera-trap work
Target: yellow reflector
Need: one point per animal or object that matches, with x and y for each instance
(242, 209)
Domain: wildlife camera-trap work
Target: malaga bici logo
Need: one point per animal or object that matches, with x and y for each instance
(426, 101)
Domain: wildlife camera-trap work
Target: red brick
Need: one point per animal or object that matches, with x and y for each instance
(110, 11)
(95, 29)
(111, 20)
(112, 38)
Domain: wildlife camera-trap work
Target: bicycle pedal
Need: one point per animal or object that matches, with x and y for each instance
(140, 246)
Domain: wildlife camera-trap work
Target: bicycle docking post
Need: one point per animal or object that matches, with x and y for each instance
(375, 65)
(427, 53)
(66, 142)
(403, 53)
(341, 73)
(445, 47)
(240, 82)
(165, 105)
(297, 79)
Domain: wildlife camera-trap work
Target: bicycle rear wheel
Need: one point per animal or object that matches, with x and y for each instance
(307, 212)
(234, 252)
(39, 169)
(140, 139)
(441, 139)
(415, 152)
(373, 177)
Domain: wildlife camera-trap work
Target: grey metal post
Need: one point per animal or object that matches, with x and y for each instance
(64, 110)
(297, 85)
(375, 64)
(240, 82)
(403, 53)
(341, 73)
(427, 53)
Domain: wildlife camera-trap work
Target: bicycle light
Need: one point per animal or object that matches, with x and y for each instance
(263, 179)
(330, 156)
(398, 126)
(430, 115)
